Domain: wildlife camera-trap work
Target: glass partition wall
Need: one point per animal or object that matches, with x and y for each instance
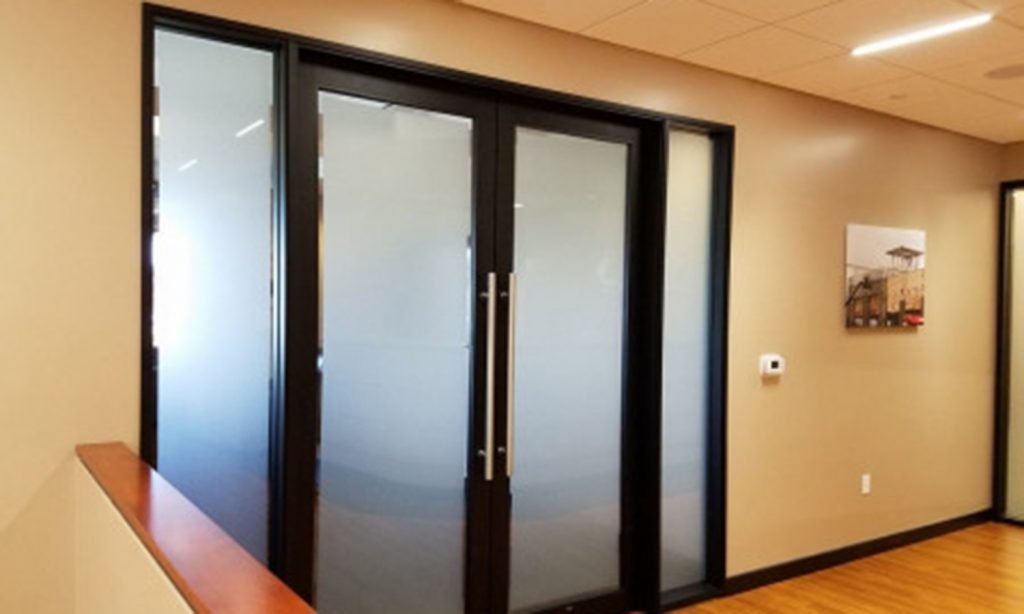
(687, 358)
(1010, 439)
(461, 357)
(212, 263)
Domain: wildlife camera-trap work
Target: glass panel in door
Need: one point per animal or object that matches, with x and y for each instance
(396, 305)
(1015, 357)
(685, 362)
(214, 154)
(570, 228)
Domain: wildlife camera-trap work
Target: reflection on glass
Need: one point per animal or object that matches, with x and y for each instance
(685, 364)
(397, 213)
(570, 217)
(1015, 433)
(212, 277)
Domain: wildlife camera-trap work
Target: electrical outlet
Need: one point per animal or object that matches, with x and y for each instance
(865, 484)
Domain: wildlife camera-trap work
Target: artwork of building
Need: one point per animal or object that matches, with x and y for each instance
(889, 295)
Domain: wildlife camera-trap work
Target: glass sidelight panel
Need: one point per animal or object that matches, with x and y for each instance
(214, 157)
(570, 214)
(396, 304)
(685, 359)
(1015, 358)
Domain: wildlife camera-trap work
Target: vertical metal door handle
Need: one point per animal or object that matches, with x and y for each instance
(510, 443)
(492, 293)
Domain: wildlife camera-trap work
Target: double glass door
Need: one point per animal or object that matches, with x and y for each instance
(472, 265)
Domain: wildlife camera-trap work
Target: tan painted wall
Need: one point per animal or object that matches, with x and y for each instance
(1013, 162)
(913, 409)
(114, 573)
(37, 547)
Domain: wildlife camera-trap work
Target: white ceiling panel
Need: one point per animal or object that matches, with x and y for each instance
(901, 96)
(940, 104)
(852, 23)
(837, 74)
(987, 41)
(770, 10)
(672, 27)
(1012, 16)
(1009, 85)
(805, 45)
(993, 6)
(573, 15)
(974, 115)
(762, 51)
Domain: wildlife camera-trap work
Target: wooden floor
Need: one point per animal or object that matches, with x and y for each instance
(976, 570)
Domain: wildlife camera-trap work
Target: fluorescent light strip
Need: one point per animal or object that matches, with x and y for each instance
(244, 131)
(922, 35)
(188, 165)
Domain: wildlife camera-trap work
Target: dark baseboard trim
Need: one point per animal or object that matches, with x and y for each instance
(689, 595)
(817, 562)
(1013, 521)
(792, 569)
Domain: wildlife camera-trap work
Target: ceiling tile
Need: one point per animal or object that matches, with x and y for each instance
(973, 76)
(762, 51)
(929, 101)
(857, 22)
(573, 15)
(993, 6)
(990, 40)
(1013, 16)
(899, 94)
(983, 118)
(837, 74)
(671, 27)
(807, 45)
(770, 10)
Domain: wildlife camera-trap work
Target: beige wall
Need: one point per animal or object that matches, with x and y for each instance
(37, 547)
(914, 409)
(114, 573)
(1013, 162)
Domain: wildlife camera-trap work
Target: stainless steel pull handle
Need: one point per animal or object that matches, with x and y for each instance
(492, 294)
(510, 426)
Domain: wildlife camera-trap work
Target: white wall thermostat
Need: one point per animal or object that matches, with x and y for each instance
(772, 365)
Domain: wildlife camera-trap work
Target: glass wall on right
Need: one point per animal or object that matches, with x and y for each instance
(685, 359)
(1014, 355)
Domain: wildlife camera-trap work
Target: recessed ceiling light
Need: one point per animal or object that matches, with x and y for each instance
(923, 35)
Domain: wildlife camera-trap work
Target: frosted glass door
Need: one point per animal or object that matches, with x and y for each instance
(397, 315)
(1015, 359)
(569, 243)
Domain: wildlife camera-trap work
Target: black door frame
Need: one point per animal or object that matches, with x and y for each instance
(291, 470)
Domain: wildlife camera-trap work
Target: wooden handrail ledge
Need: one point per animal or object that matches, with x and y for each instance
(213, 572)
